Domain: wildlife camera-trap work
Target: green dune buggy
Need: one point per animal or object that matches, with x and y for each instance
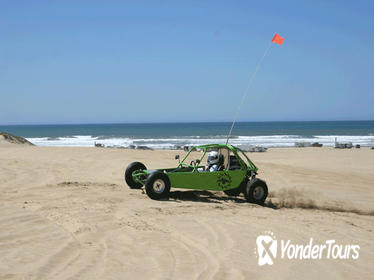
(234, 174)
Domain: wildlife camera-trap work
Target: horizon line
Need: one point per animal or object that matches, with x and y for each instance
(180, 122)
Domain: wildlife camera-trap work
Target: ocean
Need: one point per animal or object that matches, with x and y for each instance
(175, 135)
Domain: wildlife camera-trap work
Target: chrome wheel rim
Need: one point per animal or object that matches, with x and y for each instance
(258, 193)
(158, 186)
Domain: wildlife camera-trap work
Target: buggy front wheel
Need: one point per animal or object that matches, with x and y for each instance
(157, 185)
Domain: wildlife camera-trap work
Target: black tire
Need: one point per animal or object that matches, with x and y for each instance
(237, 191)
(157, 185)
(128, 174)
(256, 191)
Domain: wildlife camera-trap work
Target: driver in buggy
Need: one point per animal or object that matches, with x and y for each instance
(214, 162)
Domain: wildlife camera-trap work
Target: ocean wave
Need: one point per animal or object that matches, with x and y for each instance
(177, 142)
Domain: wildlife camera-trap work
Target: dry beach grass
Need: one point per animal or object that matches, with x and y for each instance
(66, 213)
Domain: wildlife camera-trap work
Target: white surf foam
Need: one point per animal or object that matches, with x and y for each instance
(173, 143)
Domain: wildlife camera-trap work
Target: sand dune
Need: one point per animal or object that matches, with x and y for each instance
(6, 139)
(66, 213)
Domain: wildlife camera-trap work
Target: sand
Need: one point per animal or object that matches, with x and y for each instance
(4, 143)
(66, 213)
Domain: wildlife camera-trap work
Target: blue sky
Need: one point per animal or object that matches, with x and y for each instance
(171, 61)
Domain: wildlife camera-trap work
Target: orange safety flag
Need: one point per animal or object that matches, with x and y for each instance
(277, 39)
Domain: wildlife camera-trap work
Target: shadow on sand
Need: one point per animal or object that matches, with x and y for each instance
(211, 197)
(205, 196)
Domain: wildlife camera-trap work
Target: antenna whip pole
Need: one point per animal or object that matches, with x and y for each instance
(276, 39)
(246, 91)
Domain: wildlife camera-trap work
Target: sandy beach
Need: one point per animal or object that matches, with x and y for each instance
(66, 213)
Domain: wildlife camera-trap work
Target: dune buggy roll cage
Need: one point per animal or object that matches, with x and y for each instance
(250, 165)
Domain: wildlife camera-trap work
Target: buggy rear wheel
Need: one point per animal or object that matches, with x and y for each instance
(135, 166)
(157, 185)
(256, 191)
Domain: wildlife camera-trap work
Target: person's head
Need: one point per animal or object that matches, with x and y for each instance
(212, 158)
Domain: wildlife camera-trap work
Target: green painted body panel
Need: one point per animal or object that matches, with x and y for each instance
(216, 180)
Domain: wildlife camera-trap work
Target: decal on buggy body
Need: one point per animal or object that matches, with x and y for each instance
(224, 180)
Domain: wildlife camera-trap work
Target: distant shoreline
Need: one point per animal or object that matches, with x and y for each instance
(161, 136)
(244, 142)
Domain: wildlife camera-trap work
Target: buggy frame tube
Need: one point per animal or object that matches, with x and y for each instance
(233, 149)
(252, 166)
(136, 175)
(185, 157)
